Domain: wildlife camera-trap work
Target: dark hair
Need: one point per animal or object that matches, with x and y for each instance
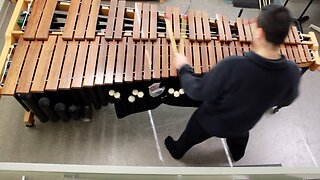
(275, 21)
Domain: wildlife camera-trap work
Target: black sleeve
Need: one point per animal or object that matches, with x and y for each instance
(294, 90)
(209, 86)
(291, 96)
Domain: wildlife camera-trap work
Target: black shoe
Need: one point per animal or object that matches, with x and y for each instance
(236, 152)
(169, 142)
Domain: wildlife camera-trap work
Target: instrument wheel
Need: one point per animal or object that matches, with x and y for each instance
(30, 125)
(275, 110)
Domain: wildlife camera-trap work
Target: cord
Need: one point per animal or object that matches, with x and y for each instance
(188, 7)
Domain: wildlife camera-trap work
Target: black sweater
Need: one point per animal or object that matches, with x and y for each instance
(238, 90)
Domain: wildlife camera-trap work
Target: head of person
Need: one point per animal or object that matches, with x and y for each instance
(272, 26)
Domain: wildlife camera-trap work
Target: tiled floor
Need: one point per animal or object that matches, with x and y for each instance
(289, 138)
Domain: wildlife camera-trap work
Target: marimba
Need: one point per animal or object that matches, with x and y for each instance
(70, 55)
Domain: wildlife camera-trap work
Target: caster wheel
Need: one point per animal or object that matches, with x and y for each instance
(30, 126)
(275, 110)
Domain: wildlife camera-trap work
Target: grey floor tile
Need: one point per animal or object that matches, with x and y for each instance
(6, 11)
(106, 140)
(286, 136)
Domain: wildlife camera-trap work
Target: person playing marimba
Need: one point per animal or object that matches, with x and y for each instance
(237, 92)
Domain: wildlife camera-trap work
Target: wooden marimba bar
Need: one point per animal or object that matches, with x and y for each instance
(74, 54)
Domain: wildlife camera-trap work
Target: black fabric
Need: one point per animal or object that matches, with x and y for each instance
(237, 146)
(192, 135)
(238, 90)
(250, 3)
(195, 134)
(124, 108)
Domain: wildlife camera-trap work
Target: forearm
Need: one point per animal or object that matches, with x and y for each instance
(191, 83)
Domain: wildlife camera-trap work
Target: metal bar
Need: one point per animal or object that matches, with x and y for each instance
(8, 60)
(27, 13)
(305, 10)
(240, 12)
(17, 97)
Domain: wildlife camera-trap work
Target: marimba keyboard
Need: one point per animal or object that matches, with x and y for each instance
(75, 52)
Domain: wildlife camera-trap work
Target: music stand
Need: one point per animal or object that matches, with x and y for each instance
(302, 18)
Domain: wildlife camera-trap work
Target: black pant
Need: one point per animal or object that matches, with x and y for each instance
(195, 134)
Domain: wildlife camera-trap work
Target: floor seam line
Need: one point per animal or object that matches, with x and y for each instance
(308, 149)
(226, 150)
(155, 135)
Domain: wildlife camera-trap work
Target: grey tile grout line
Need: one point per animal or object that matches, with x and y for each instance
(308, 148)
(226, 150)
(155, 135)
